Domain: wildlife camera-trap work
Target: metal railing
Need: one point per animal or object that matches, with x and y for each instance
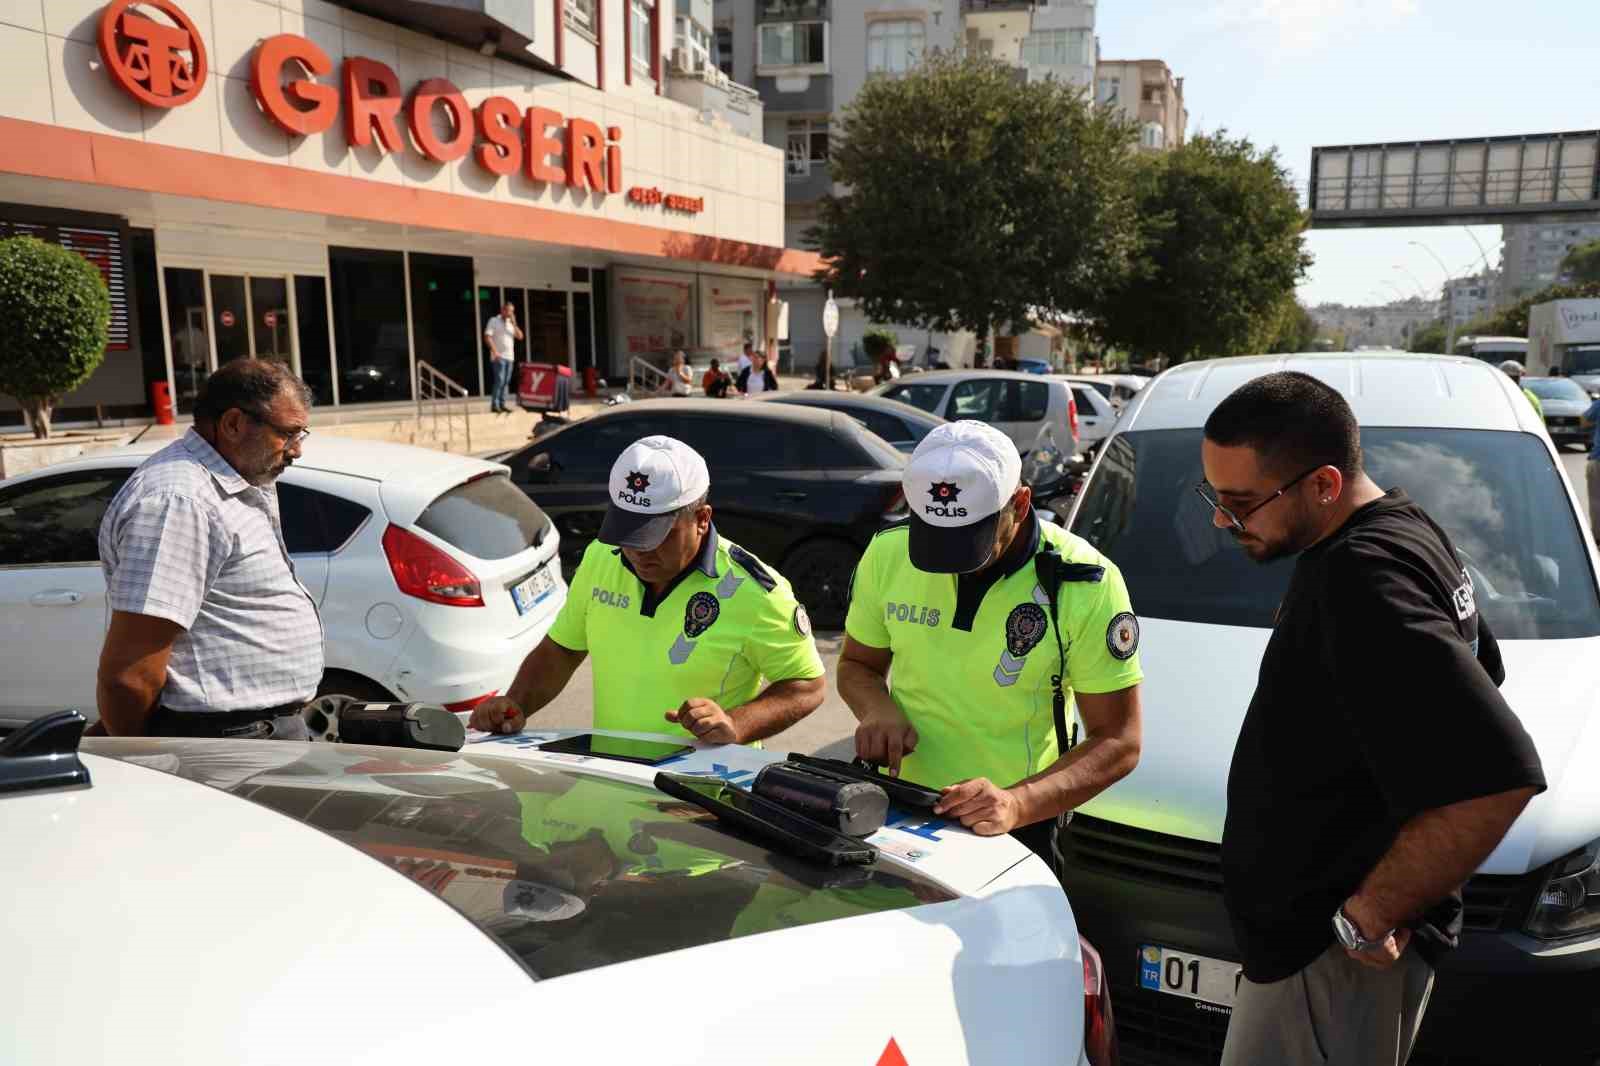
(654, 379)
(437, 391)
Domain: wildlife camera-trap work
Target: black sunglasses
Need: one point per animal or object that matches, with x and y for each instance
(1209, 494)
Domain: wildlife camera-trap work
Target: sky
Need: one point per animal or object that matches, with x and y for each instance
(1299, 73)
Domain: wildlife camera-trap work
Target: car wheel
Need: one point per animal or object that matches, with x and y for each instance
(820, 571)
(345, 683)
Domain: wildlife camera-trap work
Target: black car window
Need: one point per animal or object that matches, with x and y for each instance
(316, 521)
(1086, 406)
(487, 517)
(1497, 495)
(888, 427)
(1025, 401)
(812, 448)
(927, 397)
(585, 452)
(56, 520)
(977, 399)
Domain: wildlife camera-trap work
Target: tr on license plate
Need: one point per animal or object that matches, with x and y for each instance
(527, 593)
(1178, 973)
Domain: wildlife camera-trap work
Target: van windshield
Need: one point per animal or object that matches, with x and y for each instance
(1496, 494)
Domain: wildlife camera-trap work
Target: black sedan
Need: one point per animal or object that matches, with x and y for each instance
(804, 489)
(901, 424)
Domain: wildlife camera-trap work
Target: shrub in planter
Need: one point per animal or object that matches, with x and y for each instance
(54, 316)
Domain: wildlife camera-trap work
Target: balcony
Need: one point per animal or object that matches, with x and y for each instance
(720, 100)
(985, 7)
(808, 186)
(790, 10)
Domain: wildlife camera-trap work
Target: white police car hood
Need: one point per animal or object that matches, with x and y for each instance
(1198, 683)
(170, 920)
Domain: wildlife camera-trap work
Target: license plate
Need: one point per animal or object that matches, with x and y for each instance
(1179, 973)
(527, 593)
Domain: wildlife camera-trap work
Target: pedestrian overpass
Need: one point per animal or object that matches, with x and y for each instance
(1546, 177)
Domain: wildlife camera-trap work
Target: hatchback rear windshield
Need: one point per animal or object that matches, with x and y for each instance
(1556, 389)
(566, 872)
(1496, 494)
(488, 517)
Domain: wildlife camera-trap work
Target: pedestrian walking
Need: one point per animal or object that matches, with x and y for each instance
(211, 633)
(973, 628)
(499, 334)
(1377, 766)
(758, 376)
(690, 633)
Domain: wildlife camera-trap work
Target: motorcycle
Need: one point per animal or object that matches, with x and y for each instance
(1055, 476)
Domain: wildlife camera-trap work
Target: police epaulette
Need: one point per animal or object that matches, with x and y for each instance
(1081, 572)
(900, 527)
(751, 565)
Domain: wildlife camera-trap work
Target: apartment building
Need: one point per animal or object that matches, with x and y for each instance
(1145, 92)
(1531, 254)
(808, 59)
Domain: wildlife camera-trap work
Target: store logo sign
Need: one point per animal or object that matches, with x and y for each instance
(160, 62)
(502, 138)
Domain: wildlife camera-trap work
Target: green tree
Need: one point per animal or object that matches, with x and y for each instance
(1582, 263)
(54, 316)
(1513, 321)
(1290, 329)
(973, 199)
(1430, 338)
(1220, 252)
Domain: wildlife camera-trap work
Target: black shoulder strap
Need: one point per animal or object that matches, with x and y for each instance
(752, 566)
(1053, 571)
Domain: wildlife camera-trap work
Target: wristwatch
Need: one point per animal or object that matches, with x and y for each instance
(1349, 934)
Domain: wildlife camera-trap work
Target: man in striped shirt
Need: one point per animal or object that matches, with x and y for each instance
(211, 633)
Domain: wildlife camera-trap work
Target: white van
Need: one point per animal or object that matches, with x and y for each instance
(1142, 860)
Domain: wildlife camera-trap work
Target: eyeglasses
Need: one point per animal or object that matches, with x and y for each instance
(290, 436)
(1209, 494)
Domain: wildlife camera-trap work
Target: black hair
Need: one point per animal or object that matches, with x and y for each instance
(248, 384)
(1293, 421)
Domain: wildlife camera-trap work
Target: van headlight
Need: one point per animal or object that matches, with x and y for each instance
(1569, 902)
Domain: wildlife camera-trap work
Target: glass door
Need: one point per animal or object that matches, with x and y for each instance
(269, 319)
(186, 331)
(547, 327)
(230, 316)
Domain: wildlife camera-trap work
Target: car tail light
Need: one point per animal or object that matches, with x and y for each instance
(424, 571)
(1072, 417)
(894, 509)
(1099, 1030)
(467, 705)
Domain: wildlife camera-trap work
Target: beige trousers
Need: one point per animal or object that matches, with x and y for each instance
(1335, 1011)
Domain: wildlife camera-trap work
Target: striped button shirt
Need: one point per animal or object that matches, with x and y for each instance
(189, 540)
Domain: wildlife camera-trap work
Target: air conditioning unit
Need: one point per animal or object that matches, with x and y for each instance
(682, 62)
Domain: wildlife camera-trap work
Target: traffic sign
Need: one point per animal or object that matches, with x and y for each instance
(227, 318)
(830, 318)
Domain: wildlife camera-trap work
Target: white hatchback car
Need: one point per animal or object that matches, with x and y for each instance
(1022, 406)
(1143, 863)
(434, 575)
(1096, 413)
(332, 903)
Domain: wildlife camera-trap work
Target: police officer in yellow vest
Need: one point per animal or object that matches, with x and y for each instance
(682, 625)
(994, 622)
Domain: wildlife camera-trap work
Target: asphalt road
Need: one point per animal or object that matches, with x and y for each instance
(1573, 461)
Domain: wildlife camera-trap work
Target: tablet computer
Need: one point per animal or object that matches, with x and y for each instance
(623, 749)
(781, 829)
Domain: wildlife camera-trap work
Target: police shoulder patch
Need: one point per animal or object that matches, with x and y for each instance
(752, 566)
(802, 621)
(1122, 636)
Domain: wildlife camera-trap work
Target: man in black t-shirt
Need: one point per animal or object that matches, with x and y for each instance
(1378, 764)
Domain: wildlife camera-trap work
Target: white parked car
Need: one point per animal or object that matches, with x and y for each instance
(334, 903)
(1096, 413)
(1118, 388)
(1022, 406)
(434, 575)
(1143, 864)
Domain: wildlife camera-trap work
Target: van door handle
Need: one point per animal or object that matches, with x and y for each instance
(790, 496)
(55, 598)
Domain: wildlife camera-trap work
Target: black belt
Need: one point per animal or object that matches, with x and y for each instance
(165, 722)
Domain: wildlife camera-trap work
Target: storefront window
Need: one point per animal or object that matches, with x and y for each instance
(186, 327)
(269, 318)
(547, 327)
(147, 298)
(444, 324)
(311, 321)
(369, 321)
(230, 317)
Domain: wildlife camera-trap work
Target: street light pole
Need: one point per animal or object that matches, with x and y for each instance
(1449, 301)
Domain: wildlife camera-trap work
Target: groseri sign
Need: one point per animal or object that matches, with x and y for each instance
(163, 64)
(689, 205)
(370, 99)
